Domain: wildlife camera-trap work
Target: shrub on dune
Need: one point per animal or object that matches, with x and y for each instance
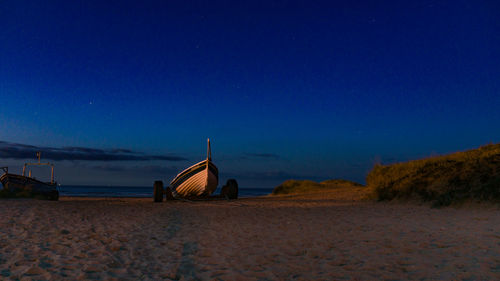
(473, 174)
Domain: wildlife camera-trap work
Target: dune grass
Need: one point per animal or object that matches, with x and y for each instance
(303, 186)
(473, 174)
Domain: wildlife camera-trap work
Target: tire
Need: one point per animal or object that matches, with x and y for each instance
(232, 189)
(168, 194)
(158, 191)
(54, 196)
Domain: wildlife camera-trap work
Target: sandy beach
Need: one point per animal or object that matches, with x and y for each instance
(306, 237)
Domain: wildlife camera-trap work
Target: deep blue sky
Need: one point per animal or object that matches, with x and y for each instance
(285, 89)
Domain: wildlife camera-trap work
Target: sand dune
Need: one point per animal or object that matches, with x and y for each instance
(273, 238)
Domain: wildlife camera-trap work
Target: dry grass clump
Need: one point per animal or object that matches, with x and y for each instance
(302, 186)
(473, 174)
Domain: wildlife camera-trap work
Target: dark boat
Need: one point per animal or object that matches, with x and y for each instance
(26, 186)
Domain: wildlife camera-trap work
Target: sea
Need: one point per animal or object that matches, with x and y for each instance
(138, 191)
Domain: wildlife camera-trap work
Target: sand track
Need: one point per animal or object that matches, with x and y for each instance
(282, 238)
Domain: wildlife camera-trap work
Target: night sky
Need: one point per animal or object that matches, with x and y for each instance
(125, 93)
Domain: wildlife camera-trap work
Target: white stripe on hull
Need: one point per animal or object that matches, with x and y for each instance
(201, 183)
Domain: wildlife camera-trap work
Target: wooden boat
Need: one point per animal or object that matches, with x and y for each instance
(201, 179)
(27, 186)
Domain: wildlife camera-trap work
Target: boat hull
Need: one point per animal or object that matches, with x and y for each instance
(200, 179)
(17, 184)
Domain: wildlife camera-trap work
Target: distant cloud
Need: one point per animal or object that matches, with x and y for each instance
(23, 151)
(262, 155)
(148, 169)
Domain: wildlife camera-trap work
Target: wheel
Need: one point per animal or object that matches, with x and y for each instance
(158, 191)
(168, 193)
(54, 195)
(230, 190)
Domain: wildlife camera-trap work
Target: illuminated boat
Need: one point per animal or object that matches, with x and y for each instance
(201, 179)
(27, 186)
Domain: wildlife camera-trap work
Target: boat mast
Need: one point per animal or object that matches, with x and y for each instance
(39, 154)
(209, 152)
